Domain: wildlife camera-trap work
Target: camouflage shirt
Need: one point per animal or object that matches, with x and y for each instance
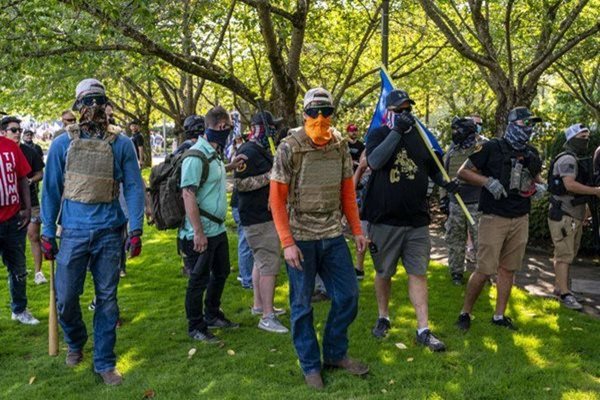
(315, 224)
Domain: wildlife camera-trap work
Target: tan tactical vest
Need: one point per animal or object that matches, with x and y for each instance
(458, 156)
(89, 170)
(317, 171)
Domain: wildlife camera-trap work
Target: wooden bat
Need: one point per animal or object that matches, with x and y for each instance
(52, 317)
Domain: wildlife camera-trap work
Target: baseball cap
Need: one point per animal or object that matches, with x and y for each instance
(318, 97)
(89, 86)
(522, 113)
(396, 98)
(574, 130)
(351, 128)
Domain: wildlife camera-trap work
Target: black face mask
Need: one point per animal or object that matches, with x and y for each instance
(578, 145)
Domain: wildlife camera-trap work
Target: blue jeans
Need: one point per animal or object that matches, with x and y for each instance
(101, 250)
(12, 250)
(245, 258)
(331, 259)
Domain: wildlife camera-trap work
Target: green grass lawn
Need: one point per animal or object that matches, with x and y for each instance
(555, 355)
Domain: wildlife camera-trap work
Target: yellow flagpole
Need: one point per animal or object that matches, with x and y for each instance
(459, 199)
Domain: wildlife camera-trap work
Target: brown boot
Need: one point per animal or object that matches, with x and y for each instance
(74, 358)
(112, 377)
(314, 381)
(354, 367)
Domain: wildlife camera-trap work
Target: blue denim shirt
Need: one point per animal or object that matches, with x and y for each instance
(76, 215)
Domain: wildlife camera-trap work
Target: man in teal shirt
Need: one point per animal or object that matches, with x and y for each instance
(203, 238)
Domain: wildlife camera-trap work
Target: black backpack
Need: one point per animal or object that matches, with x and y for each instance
(168, 211)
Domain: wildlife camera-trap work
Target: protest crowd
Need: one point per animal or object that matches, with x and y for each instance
(298, 198)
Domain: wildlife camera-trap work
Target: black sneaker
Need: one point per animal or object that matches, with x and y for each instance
(221, 322)
(382, 326)
(457, 279)
(203, 336)
(464, 322)
(360, 275)
(426, 338)
(505, 322)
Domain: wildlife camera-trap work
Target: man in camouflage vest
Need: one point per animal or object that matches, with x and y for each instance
(464, 141)
(311, 186)
(85, 167)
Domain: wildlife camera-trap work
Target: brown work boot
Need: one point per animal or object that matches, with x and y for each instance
(314, 381)
(354, 367)
(74, 358)
(112, 377)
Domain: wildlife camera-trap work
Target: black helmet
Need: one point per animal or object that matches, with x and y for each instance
(462, 128)
(261, 117)
(396, 98)
(194, 124)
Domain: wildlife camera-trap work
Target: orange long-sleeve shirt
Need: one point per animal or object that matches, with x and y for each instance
(278, 195)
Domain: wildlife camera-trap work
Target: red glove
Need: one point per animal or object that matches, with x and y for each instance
(49, 247)
(134, 244)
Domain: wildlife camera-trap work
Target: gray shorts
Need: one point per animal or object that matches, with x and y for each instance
(264, 242)
(390, 243)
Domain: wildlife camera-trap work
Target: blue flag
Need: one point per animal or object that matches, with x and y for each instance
(379, 116)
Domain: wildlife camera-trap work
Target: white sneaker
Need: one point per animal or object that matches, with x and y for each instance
(25, 318)
(259, 311)
(39, 278)
(272, 324)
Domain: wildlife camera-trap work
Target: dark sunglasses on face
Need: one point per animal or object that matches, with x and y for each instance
(314, 112)
(89, 101)
(15, 130)
(401, 110)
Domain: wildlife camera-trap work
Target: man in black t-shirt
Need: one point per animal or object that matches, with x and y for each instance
(508, 168)
(34, 177)
(396, 208)
(355, 145)
(252, 180)
(138, 141)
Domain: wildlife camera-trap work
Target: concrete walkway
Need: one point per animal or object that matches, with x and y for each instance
(537, 274)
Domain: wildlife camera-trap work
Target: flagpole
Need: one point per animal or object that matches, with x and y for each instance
(459, 199)
(385, 32)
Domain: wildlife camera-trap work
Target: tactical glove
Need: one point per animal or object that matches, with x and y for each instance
(403, 122)
(49, 247)
(133, 245)
(494, 186)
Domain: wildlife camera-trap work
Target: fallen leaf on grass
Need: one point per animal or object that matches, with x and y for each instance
(191, 352)
(576, 328)
(409, 359)
(231, 352)
(149, 394)
(273, 350)
(391, 382)
(547, 389)
(401, 346)
(383, 391)
(271, 365)
(31, 380)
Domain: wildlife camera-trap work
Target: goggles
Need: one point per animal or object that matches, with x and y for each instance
(314, 112)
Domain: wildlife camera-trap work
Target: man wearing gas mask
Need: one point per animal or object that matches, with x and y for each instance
(397, 210)
(85, 167)
(311, 187)
(508, 168)
(465, 139)
(570, 184)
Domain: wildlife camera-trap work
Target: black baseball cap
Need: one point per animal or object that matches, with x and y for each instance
(194, 123)
(396, 98)
(522, 113)
(261, 117)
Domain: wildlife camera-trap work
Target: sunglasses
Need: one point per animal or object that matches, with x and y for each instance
(314, 112)
(70, 120)
(90, 101)
(400, 110)
(15, 130)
